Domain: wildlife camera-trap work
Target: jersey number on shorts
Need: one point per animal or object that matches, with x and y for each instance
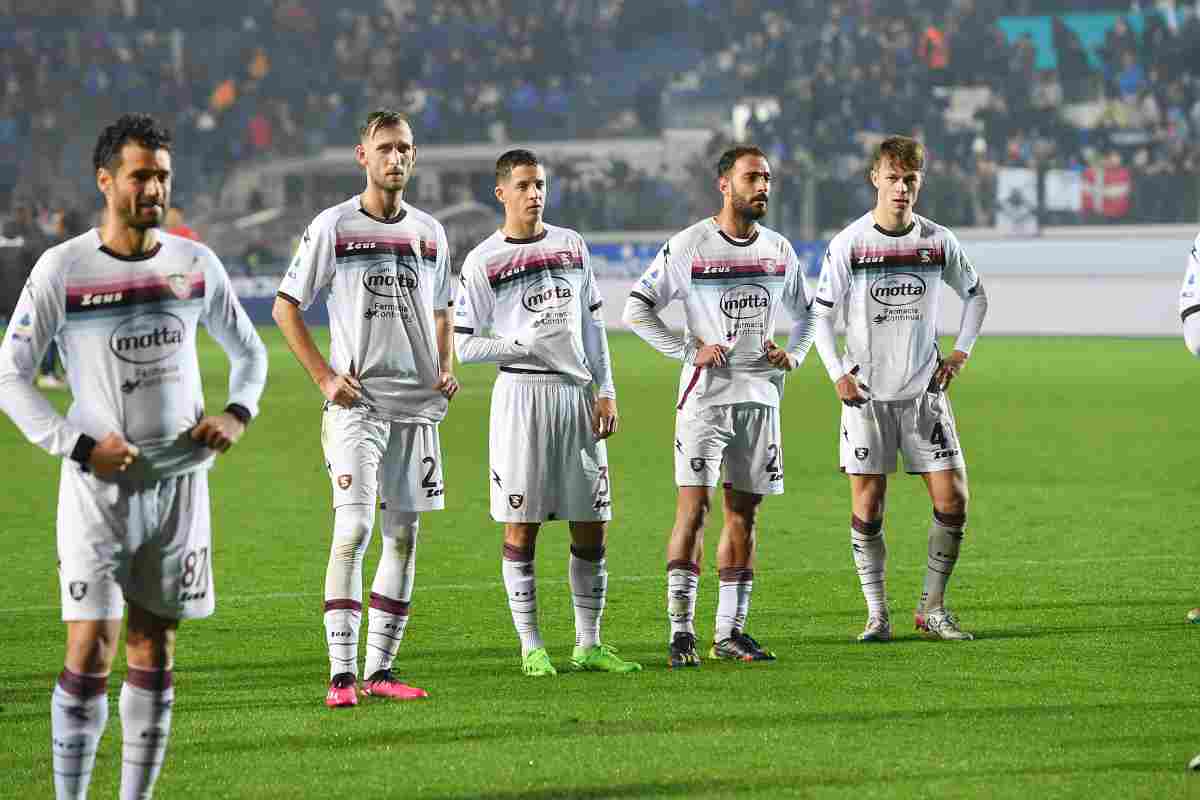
(938, 438)
(602, 487)
(428, 483)
(194, 580)
(773, 465)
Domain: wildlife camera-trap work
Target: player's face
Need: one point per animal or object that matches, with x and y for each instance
(896, 187)
(747, 187)
(138, 192)
(523, 194)
(388, 156)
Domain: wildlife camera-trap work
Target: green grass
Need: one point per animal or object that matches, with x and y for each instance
(1079, 565)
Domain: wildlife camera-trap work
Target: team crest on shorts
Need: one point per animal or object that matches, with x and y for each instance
(344, 481)
(516, 500)
(697, 465)
(861, 453)
(78, 590)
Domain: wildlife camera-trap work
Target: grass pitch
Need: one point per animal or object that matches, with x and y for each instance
(1077, 570)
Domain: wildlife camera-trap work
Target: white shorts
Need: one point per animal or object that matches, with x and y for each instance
(367, 457)
(921, 428)
(546, 463)
(742, 441)
(148, 543)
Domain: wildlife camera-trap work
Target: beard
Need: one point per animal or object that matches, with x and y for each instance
(745, 208)
(139, 222)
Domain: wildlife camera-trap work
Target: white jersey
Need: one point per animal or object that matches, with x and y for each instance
(385, 280)
(731, 292)
(126, 328)
(890, 286)
(1189, 300)
(541, 293)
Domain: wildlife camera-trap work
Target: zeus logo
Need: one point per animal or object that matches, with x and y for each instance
(715, 270)
(543, 297)
(870, 259)
(90, 299)
(352, 246)
(898, 289)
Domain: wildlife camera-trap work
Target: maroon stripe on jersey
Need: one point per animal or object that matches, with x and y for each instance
(886, 257)
(703, 269)
(681, 563)
(343, 605)
(691, 385)
(83, 686)
(152, 680)
(505, 271)
(397, 607)
(353, 248)
(122, 294)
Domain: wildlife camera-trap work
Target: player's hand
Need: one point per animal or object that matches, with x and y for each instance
(949, 368)
(778, 357)
(447, 384)
(604, 417)
(850, 391)
(712, 355)
(218, 432)
(341, 390)
(111, 455)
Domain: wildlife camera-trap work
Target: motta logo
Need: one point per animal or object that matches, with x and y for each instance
(898, 289)
(746, 301)
(548, 295)
(147, 338)
(390, 279)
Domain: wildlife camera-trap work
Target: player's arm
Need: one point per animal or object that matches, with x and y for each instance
(595, 349)
(229, 324)
(832, 287)
(474, 311)
(310, 270)
(667, 278)
(35, 321)
(1189, 301)
(795, 299)
(443, 311)
(963, 278)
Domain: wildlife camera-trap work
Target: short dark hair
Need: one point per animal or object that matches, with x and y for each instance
(382, 118)
(512, 159)
(904, 150)
(139, 128)
(731, 156)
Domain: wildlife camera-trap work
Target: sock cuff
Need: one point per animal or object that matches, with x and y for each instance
(344, 604)
(589, 553)
(151, 680)
(866, 528)
(958, 521)
(83, 686)
(684, 564)
(735, 574)
(388, 605)
(514, 553)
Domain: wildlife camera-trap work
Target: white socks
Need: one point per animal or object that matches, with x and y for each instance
(945, 539)
(683, 581)
(78, 714)
(589, 587)
(147, 697)
(391, 591)
(521, 585)
(870, 561)
(733, 600)
(343, 585)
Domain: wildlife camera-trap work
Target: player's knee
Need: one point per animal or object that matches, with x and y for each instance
(352, 531)
(92, 650)
(692, 511)
(150, 649)
(402, 527)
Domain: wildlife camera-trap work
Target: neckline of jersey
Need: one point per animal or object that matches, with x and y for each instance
(897, 234)
(530, 240)
(390, 221)
(742, 242)
(151, 253)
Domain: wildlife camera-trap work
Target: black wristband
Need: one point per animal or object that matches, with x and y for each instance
(82, 452)
(240, 411)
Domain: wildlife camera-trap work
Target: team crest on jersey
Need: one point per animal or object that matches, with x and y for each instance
(768, 265)
(516, 500)
(861, 453)
(566, 258)
(344, 481)
(78, 590)
(925, 255)
(180, 286)
(697, 465)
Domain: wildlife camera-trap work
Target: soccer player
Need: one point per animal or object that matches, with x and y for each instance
(387, 386)
(124, 301)
(886, 270)
(732, 276)
(1189, 301)
(530, 303)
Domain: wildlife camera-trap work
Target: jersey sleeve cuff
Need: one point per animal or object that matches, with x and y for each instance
(240, 412)
(82, 452)
(288, 297)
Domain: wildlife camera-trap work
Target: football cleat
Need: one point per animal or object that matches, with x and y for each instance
(939, 623)
(384, 684)
(343, 691)
(683, 651)
(879, 629)
(601, 658)
(740, 647)
(536, 663)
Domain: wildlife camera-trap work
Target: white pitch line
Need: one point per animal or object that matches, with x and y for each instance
(972, 566)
